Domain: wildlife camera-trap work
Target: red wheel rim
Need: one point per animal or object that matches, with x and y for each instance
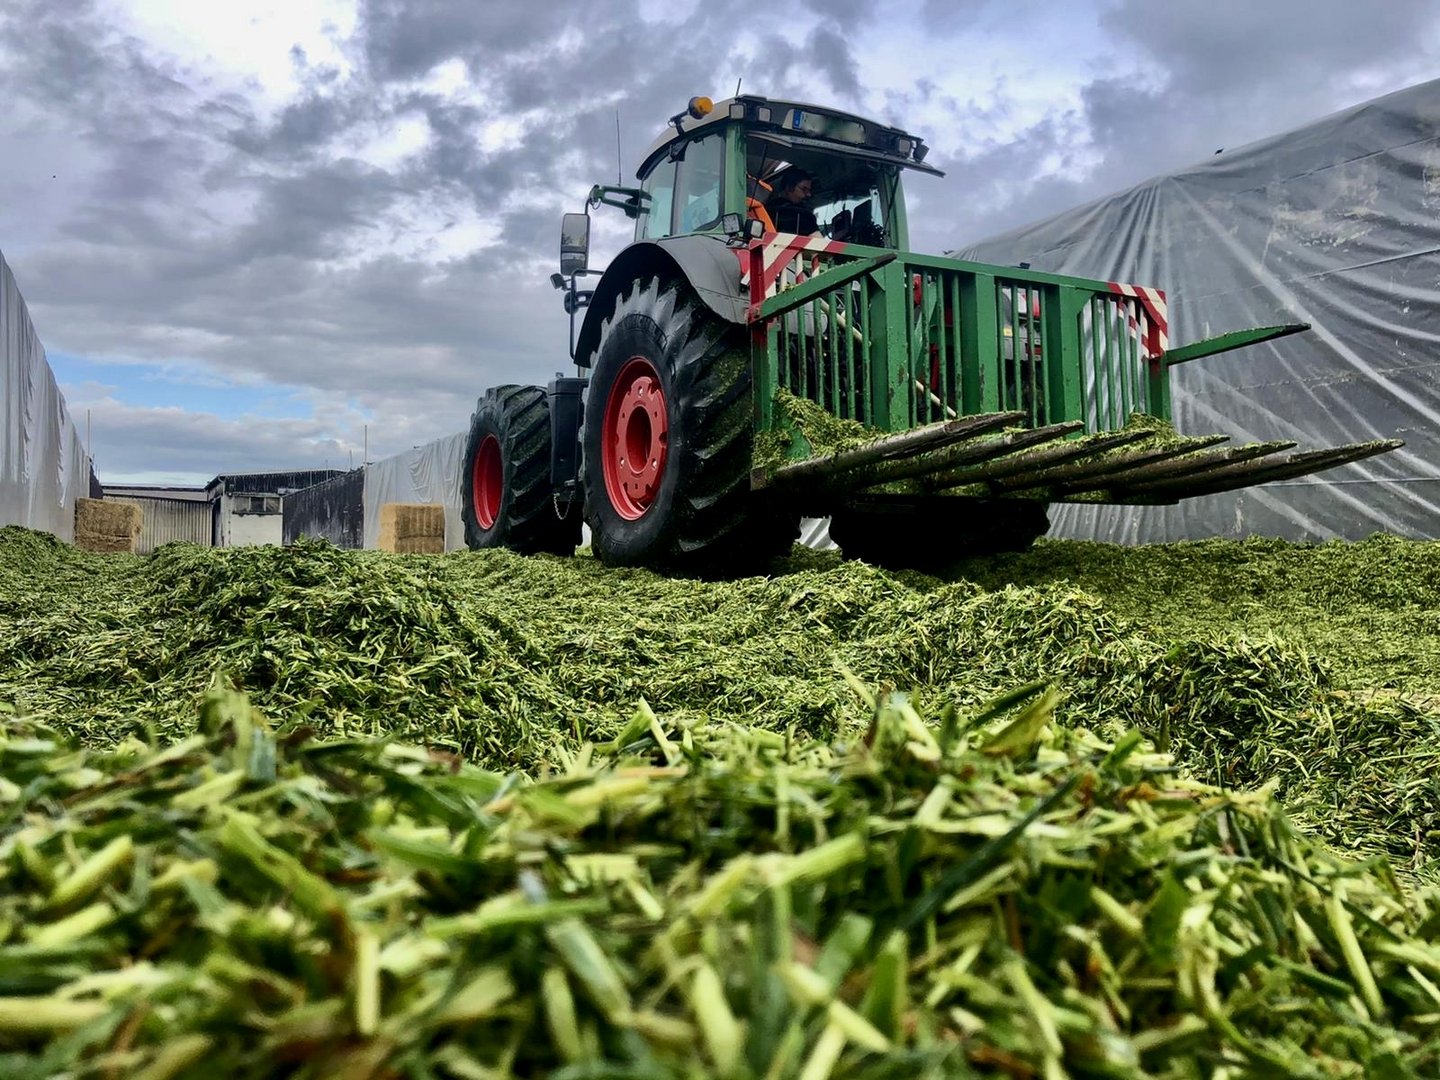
(487, 482)
(634, 439)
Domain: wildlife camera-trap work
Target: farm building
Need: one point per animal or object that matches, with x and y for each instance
(230, 511)
(246, 507)
(167, 514)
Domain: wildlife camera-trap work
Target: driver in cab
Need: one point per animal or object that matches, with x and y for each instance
(787, 205)
(789, 210)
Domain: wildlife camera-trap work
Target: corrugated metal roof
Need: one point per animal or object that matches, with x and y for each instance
(154, 491)
(269, 483)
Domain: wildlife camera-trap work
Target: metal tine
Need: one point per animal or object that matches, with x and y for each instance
(1143, 483)
(1265, 471)
(967, 452)
(942, 472)
(1095, 475)
(1017, 470)
(903, 445)
(1189, 465)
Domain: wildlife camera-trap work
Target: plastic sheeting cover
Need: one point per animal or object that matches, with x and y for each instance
(1336, 224)
(428, 474)
(815, 533)
(43, 464)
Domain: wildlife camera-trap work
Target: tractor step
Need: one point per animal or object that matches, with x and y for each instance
(977, 455)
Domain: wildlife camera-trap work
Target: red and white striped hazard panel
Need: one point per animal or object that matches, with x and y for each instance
(785, 251)
(1156, 337)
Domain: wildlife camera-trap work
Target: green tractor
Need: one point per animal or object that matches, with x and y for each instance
(769, 347)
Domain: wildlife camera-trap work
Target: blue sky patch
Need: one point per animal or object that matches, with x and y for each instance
(180, 385)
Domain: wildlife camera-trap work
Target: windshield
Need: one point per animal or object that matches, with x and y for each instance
(855, 216)
(849, 199)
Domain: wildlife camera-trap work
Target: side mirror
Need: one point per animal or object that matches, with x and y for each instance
(574, 244)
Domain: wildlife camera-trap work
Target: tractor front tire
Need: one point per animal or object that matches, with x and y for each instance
(666, 440)
(934, 534)
(507, 499)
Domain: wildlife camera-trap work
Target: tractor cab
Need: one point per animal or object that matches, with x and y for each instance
(733, 157)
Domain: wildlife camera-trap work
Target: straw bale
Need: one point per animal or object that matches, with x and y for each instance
(105, 517)
(419, 545)
(88, 541)
(405, 520)
(426, 520)
(410, 545)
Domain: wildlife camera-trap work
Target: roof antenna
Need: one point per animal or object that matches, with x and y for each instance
(619, 158)
(737, 85)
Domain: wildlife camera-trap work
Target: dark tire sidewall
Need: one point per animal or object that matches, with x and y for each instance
(528, 519)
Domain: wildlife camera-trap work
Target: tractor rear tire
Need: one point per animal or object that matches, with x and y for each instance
(933, 534)
(666, 441)
(507, 499)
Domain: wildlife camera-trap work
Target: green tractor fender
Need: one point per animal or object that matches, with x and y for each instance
(709, 264)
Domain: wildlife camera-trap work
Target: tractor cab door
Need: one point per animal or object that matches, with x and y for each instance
(686, 190)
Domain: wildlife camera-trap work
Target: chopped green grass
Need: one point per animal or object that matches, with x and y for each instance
(537, 816)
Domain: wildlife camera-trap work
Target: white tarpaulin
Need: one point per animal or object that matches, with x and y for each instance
(43, 464)
(1337, 225)
(428, 474)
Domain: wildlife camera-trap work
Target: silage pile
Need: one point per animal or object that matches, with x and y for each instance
(1217, 651)
(980, 895)
(676, 771)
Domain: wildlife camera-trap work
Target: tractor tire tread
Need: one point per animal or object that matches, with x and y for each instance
(716, 525)
(519, 416)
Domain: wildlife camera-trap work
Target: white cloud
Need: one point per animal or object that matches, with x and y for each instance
(371, 218)
(249, 41)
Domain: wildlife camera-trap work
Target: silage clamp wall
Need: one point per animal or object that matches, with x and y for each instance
(43, 464)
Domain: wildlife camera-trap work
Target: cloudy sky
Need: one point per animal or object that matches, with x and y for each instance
(255, 235)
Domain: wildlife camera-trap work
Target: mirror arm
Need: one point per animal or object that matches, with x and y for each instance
(575, 300)
(626, 199)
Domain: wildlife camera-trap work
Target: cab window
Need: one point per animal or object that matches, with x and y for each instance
(701, 179)
(685, 195)
(856, 215)
(853, 200)
(654, 219)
